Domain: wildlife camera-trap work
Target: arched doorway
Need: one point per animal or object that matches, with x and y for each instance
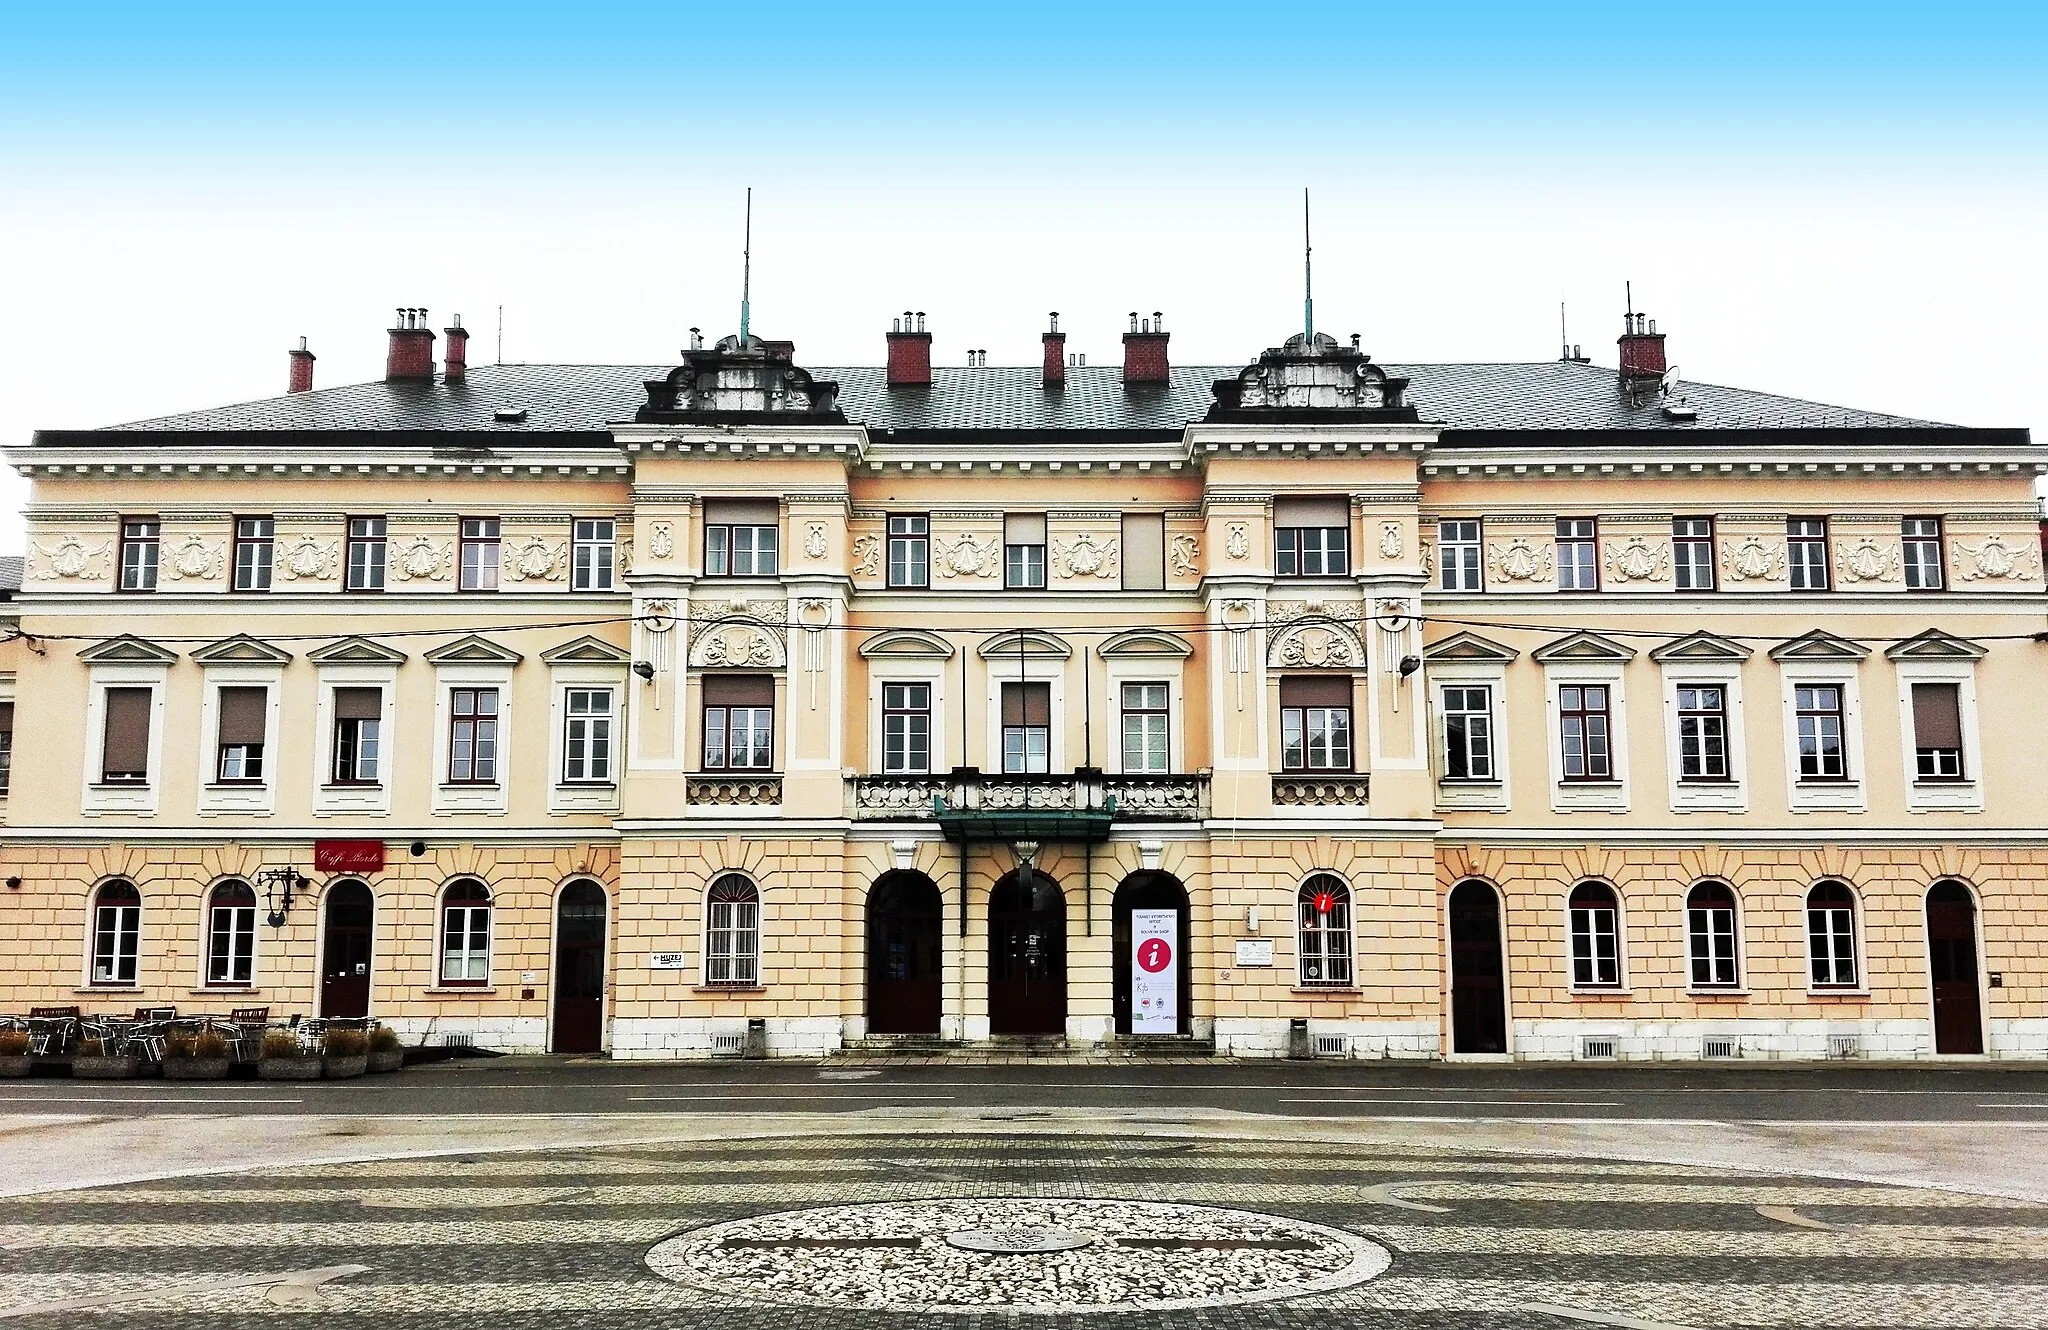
(1952, 968)
(1478, 998)
(1150, 894)
(906, 987)
(345, 951)
(579, 968)
(1027, 955)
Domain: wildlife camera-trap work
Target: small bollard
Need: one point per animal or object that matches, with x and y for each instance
(1297, 1041)
(757, 1038)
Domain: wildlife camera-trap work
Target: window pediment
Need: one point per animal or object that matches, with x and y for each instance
(1934, 644)
(472, 650)
(355, 651)
(1701, 647)
(586, 651)
(1469, 647)
(127, 650)
(241, 649)
(1819, 645)
(1026, 642)
(905, 643)
(1582, 648)
(1144, 642)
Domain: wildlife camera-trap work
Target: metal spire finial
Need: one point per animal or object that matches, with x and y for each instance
(1308, 290)
(747, 271)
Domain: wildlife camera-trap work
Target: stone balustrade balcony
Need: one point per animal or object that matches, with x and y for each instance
(1047, 806)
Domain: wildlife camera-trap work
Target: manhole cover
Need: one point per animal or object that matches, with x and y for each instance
(1027, 1255)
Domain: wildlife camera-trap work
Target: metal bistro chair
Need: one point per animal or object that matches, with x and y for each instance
(52, 1031)
(244, 1029)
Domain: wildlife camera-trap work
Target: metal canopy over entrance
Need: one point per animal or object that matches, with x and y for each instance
(978, 809)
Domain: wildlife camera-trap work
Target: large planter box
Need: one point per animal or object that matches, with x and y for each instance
(125, 1067)
(341, 1069)
(388, 1059)
(16, 1064)
(196, 1069)
(306, 1068)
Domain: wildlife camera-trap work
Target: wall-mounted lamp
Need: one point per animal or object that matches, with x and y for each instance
(280, 886)
(418, 849)
(14, 884)
(1410, 664)
(645, 669)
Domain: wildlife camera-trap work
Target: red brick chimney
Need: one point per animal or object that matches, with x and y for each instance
(455, 366)
(302, 369)
(1145, 350)
(411, 355)
(910, 352)
(1055, 354)
(1642, 348)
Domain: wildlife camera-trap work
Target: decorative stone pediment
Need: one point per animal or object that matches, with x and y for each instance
(753, 380)
(1024, 642)
(1818, 645)
(906, 643)
(127, 650)
(355, 651)
(1144, 642)
(1468, 647)
(1315, 644)
(1312, 378)
(241, 649)
(472, 650)
(1582, 648)
(1701, 647)
(737, 645)
(1934, 644)
(586, 651)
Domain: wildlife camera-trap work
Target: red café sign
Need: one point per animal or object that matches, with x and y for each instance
(348, 856)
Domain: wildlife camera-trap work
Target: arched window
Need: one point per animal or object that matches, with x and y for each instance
(1831, 934)
(466, 933)
(1710, 935)
(1325, 912)
(732, 932)
(116, 934)
(1596, 936)
(231, 934)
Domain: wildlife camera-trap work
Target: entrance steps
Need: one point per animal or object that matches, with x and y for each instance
(1009, 1049)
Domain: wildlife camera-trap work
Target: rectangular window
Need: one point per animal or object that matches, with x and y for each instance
(1468, 733)
(587, 735)
(231, 941)
(124, 757)
(1312, 536)
(1831, 937)
(1585, 730)
(1822, 755)
(906, 728)
(366, 553)
(739, 722)
(1144, 551)
(358, 747)
(473, 736)
(479, 554)
(255, 544)
(465, 942)
(1596, 941)
(1692, 553)
(1702, 732)
(243, 716)
(741, 537)
(1145, 728)
(1806, 553)
(1938, 731)
(1315, 724)
(1711, 929)
(592, 543)
(1458, 556)
(1024, 551)
(140, 549)
(1921, 538)
(6, 744)
(116, 940)
(910, 540)
(1578, 554)
(1027, 728)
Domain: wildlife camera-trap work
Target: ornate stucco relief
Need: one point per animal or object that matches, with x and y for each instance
(1237, 540)
(1316, 646)
(537, 560)
(736, 644)
(1637, 559)
(1390, 540)
(867, 554)
(197, 558)
(1519, 560)
(1865, 560)
(966, 556)
(661, 540)
(1993, 559)
(422, 559)
(814, 540)
(309, 558)
(1754, 559)
(1185, 554)
(71, 557)
(1087, 556)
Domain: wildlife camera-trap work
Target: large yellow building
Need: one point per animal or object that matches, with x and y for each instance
(1533, 710)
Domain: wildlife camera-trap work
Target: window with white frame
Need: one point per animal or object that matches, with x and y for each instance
(1585, 732)
(906, 728)
(1024, 551)
(255, 544)
(1324, 912)
(1692, 553)
(1702, 732)
(1578, 554)
(910, 549)
(1027, 727)
(479, 554)
(587, 735)
(741, 537)
(466, 934)
(1806, 553)
(116, 935)
(367, 538)
(1315, 723)
(1145, 728)
(1468, 732)
(1711, 935)
(732, 933)
(1920, 539)
(593, 551)
(358, 736)
(1938, 731)
(1594, 916)
(231, 935)
(124, 749)
(739, 722)
(1460, 560)
(1831, 935)
(1312, 536)
(472, 736)
(140, 550)
(1823, 746)
(6, 745)
(242, 720)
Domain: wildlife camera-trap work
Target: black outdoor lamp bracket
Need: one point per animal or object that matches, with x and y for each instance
(280, 886)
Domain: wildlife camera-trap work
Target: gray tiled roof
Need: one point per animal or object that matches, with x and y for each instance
(1544, 395)
(11, 569)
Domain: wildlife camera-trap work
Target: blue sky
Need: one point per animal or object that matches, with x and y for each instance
(1843, 202)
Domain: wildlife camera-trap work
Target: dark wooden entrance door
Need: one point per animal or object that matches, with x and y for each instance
(1027, 956)
(345, 962)
(1478, 999)
(1147, 890)
(1952, 965)
(579, 969)
(905, 978)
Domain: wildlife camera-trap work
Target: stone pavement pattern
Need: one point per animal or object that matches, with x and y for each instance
(1437, 1240)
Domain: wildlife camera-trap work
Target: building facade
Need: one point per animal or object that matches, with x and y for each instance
(1308, 705)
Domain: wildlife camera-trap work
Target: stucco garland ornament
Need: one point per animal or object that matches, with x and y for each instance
(736, 646)
(535, 560)
(73, 558)
(195, 557)
(1520, 561)
(814, 541)
(1638, 560)
(1085, 556)
(1186, 551)
(1752, 559)
(661, 540)
(423, 559)
(1993, 558)
(309, 557)
(1390, 540)
(867, 554)
(1316, 648)
(1868, 561)
(1237, 540)
(968, 557)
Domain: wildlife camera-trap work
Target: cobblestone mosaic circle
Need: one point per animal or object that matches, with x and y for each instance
(919, 1256)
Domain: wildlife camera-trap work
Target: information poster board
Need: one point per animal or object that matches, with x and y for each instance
(1155, 971)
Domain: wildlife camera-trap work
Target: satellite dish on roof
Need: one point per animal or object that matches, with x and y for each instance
(1668, 385)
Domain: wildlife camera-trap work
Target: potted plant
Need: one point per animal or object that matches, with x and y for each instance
(282, 1058)
(387, 1051)
(347, 1054)
(93, 1062)
(14, 1058)
(195, 1057)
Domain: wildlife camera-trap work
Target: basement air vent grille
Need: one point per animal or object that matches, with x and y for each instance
(728, 1045)
(1845, 1046)
(1593, 1048)
(457, 1039)
(1332, 1045)
(1719, 1046)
